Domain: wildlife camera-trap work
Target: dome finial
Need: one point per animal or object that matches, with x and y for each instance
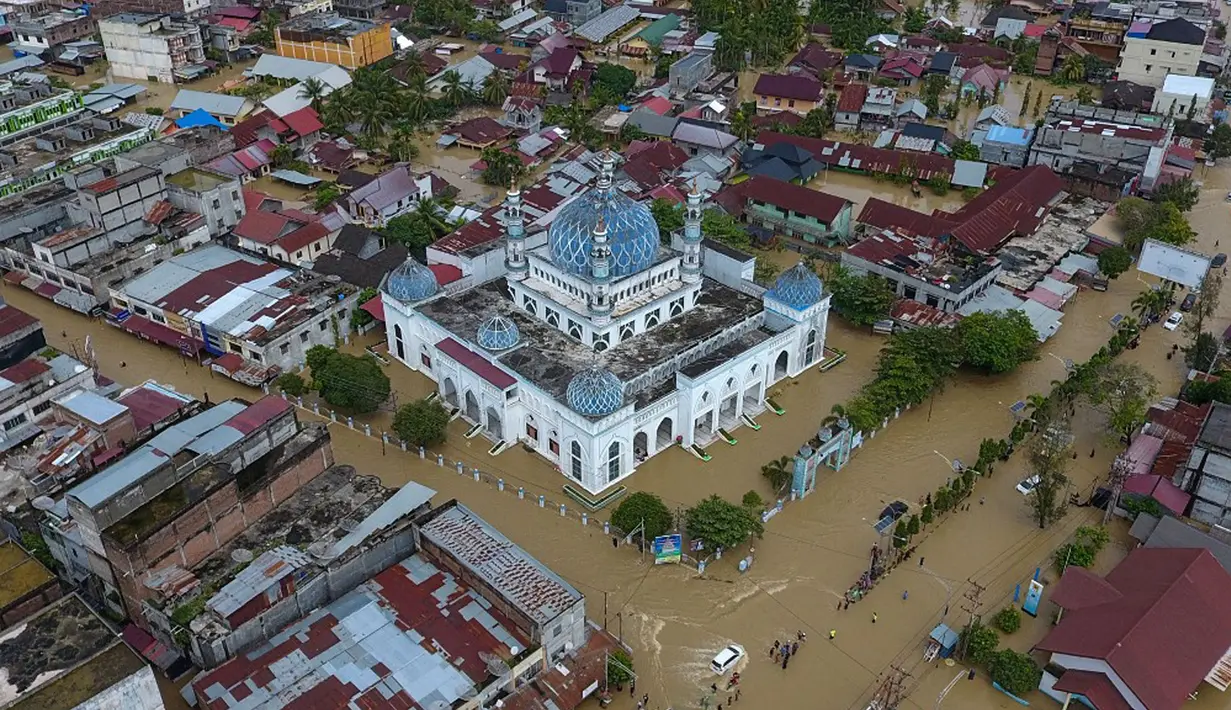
(513, 188)
(695, 190)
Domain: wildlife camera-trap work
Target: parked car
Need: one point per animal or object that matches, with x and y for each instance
(726, 659)
(1174, 321)
(1220, 259)
(1189, 301)
(1025, 486)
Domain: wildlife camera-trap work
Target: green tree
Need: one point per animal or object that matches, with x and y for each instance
(720, 523)
(502, 168)
(485, 31)
(724, 228)
(1218, 144)
(779, 473)
(619, 667)
(668, 216)
(1048, 455)
(421, 422)
(862, 299)
(1124, 392)
(741, 122)
(354, 384)
(410, 231)
(928, 514)
(325, 196)
(964, 150)
(615, 79)
(1183, 193)
(753, 501)
(1202, 353)
(1015, 672)
(313, 90)
(639, 507)
(978, 643)
(914, 20)
(455, 91)
(1073, 70)
(1008, 619)
(1157, 220)
(901, 535)
(495, 88)
(1114, 261)
(764, 271)
(997, 342)
(912, 525)
(291, 383)
(360, 317)
(401, 146)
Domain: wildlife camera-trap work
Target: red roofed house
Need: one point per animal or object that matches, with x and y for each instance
(1143, 637)
(792, 210)
(21, 335)
(291, 236)
(298, 129)
(480, 133)
(903, 71)
(850, 106)
(983, 79)
(796, 93)
(555, 69)
(815, 59)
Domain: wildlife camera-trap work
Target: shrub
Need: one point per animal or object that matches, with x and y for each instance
(291, 383)
(421, 423)
(753, 501)
(1008, 619)
(980, 643)
(642, 506)
(1015, 672)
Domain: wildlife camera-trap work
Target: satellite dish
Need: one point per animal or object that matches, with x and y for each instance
(43, 503)
(348, 524)
(241, 555)
(321, 549)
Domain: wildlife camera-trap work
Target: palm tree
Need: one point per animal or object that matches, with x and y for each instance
(1073, 70)
(340, 108)
(401, 146)
(495, 88)
(314, 91)
(1084, 95)
(375, 113)
(779, 472)
(836, 413)
(455, 91)
(431, 212)
(741, 121)
(416, 101)
(1143, 304)
(413, 61)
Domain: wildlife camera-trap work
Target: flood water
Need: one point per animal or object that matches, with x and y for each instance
(812, 551)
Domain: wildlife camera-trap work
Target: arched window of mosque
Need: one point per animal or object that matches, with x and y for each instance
(651, 320)
(576, 451)
(677, 307)
(530, 305)
(553, 318)
(613, 461)
(626, 331)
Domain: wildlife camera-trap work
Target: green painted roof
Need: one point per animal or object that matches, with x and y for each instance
(659, 28)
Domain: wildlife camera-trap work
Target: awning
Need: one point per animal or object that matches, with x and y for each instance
(295, 177)
(228, 363)
(376, 308)
(47, 289)
(147, 329)
(1161, 490)
(15, 277)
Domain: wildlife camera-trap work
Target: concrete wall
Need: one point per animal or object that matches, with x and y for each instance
(924, 291)
(223, 206)
(1148, 62)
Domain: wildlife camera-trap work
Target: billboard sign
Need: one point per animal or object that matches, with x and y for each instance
(1173, 263)
(668, 549)
(1034, 595)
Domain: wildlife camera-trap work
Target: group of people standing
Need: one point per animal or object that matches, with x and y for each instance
(782, 651)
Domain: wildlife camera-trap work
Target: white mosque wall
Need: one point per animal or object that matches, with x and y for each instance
(485, 266)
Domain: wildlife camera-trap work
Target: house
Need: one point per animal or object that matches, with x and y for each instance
(924, 138)
(1098, 27)
(877, 111)
(212, 195)
(298, 130)
(994, 115)
(791, 210)
(556, 68)
(983, 80)
(686, 74)
(786, 92)
(910, 111)
(700, 138)
(28, 389)
(1085, 142)
(1007, 21)
(248, 163)
(472, 72)
(889, 10)
(394, 192)
(943, 64)
(602, 28)
(921, 268)
(360, 257)
(651, 38)
(480, 132)
(1168, 532)
(1201, 475)
(574, 12)
(328, 37)
(21, 335)
(429, 63)
(523, 113)
(921, 43)
(903, 71)
(815, 59)
(1182, 96)
(1127, 96)
(717, 112)
(39, 34)
(335, 156)
(1169, 47)
(784, 162)
(862, 66)
(882, 43)
(1006, 145)
(651, 124)
(652, 164)
(850, 106)
(287, 235)
(973, 53)
(1106, 647)
(509, 63)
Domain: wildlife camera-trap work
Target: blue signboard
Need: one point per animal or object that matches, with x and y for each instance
(1033, 596)
(668, 548)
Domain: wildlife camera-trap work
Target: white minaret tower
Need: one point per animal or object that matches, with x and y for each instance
(600, 303)
(515, 233)
(690, 269)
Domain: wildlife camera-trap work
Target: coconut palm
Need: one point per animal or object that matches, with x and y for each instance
(340, 109)
(413, 61)
(416, 101)
(741, 122)
(1073, 69)
(375, 114)
(313, 90)
(779, 473)
(455, 91)
(495, 88)
(836, 413)
(402, 147)
(432, 212)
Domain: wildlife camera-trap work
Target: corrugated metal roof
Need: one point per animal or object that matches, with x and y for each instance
(287, 68)
(216, 104)
(608, 23)
(92, 407)
(264, 572)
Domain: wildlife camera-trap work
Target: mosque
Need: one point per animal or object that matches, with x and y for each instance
(601, 347)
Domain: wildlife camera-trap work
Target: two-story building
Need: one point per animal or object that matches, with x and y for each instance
(29, 388)
(1169, 47)
(787, 92)
(40, 33)
(1082, 143)
(394, 192)
(790, 210)
(214, 196)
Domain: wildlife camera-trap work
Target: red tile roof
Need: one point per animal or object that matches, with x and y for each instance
(901, 68)
(482, 129)
(921, 315)
(1095, 687)
(1015, 205)
(506, 61)
(13, 320)
(245, 132)
(1161, 620)
(794, 198)
(788, 86)
(24, 370)
(263, 227)
(886, 215)
(212, 284)
(487, 228)
(241, 11)
(304, 121)
(852, 97)
(658, 105)
(149, 406)
(302, 237)
(559, 61)
(260, 413)
(814, 56)
(445, 273)
(476, 363)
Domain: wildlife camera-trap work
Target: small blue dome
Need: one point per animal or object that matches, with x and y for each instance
(411, 281)
(798, 287)
(632, 233)
(595, 392)
(498, 333)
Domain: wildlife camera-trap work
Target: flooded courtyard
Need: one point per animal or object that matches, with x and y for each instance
(812, 551)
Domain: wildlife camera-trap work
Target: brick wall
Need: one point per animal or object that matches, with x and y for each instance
(209, 525)
(29, 604)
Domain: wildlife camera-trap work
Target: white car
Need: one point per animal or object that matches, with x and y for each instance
(1174, 320)
(1027, 485)
(727, 658)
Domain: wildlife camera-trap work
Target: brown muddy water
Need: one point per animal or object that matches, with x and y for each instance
(812, 551)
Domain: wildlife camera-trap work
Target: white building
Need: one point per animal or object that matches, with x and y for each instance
(1170, 47)
(152, 47)
(1181, 92)
(602, 347)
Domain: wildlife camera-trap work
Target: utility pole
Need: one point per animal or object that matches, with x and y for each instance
(892, 689)
(971, 607)
(604, 609)
(1119, 472)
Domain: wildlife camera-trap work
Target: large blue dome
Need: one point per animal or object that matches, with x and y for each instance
(632, 233)
(798, 287)
(411, 281)
(595, 392)
(498, 333)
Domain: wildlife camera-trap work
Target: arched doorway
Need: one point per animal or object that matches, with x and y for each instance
(641, 446)
(780, 366)
(752, 396)
(495, 426)
(450, 392)
(810, 347)
(472, 409)
(666, 431)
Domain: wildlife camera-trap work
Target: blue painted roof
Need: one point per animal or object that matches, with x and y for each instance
(200, 117)
(1009, 134)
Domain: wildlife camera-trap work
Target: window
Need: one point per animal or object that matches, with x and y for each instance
(254, 356)
(574, 329)
(651, 319)
(530, 306)
(613, 461)
(316, 247)
(323, 325)
(791, 103)
(626, 331)
(423, 358)
(1149, 67)
(933, 301)
(601, 342)
(553, 318)
(284, 349)
(677, 307)
(15, 422)
(42, 407)
(303, 337)
(299, 254)
(1153, 52)
(553, 446)
(532, 431)
(909, 292)
(576, 451)
(235, 348)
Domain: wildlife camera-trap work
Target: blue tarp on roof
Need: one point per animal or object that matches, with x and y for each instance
(295, 177)
(199, 118)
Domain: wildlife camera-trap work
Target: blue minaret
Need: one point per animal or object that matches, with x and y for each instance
(690, 269)
(600, 303)
(515, 232)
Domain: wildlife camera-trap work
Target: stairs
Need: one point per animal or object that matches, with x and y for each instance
(500, 446)
(726, 436)
(699, 452)
(474, 431)
(773, 407)
(750, 422)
